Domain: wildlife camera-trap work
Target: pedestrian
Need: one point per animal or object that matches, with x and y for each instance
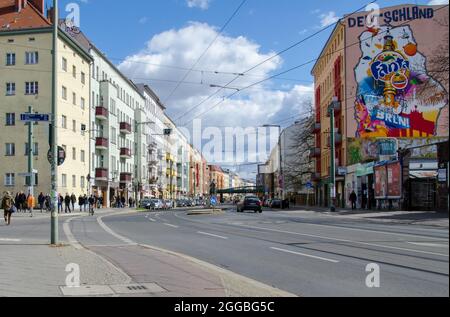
(23, 201)
(80, 202)
(130, 202)
(9, 206)
(73, 200)
(60, 203)
(30, 204)
(67, 202)
(47, 203)
(123, 201)
(91, 205)
(41, 200)
(85, 202)
(353, 198)
(117, 202)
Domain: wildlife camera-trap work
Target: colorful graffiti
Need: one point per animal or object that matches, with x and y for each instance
(391, 75)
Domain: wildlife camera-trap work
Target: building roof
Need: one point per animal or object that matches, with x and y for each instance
(29, 16)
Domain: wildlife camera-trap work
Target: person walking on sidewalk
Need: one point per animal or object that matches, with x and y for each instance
(60, 203)
(353, 198)
(123, 201)
(41, 200)
(9, 206)
(67, 202)
(81, 202)
(73, 200)
(30, 204)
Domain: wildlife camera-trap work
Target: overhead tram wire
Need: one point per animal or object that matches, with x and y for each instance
(290, 70)
(207, 49)
(270, 58)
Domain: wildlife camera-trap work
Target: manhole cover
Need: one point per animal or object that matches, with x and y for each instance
(91, 290)
(147, 288)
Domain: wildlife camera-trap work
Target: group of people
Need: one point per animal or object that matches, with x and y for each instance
(68, 203)
(120, 202)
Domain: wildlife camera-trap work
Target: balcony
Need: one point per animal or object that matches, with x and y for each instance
(169, 157)
(125, 153)
(337, 140)
(317, 127)
(101, 174)
(315, 152)
(125, 128)
(101, 113)
(126, 178)
(101, 144)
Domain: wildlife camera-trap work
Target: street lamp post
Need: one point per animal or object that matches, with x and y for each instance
(331, 111)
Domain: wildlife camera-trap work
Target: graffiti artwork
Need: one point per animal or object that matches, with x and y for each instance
(391, 75)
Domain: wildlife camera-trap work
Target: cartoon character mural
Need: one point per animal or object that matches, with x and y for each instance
(391, 75)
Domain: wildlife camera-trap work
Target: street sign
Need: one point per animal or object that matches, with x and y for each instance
(213, 201)
(24, 174)
(34, 117)
(61, 156)
(309, 185)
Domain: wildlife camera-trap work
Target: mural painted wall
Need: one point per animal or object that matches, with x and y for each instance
(388, 70)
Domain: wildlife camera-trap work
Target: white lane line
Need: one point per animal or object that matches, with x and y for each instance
(151, 219)
(305, 255)
(118, 236)
(212, 235)
(10, 240)
(74, 242)
(432, 245)
(375, 231)
(348, 241)
(173, 226)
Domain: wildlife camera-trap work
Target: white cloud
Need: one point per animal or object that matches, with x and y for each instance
(438, 2)
(329, 18)
(143, 20)
(202, 4)
(253, 107)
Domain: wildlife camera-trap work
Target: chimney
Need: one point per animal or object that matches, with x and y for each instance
(18, 5)
(38, 4)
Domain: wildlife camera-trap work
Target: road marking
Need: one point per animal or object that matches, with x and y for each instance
(173, 226)
(433, 245)
(118, 236)
(212, 235)
(10, 240)
(151, 219)
(348, 241)
(69, 235)
(375, 231)
(306, 255)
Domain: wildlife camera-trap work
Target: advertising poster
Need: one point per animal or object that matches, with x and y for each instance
(380, 182)
(394, 180)
(395, 94)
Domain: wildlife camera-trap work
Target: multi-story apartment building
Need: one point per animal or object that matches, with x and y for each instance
(389, 97)
(26, 77)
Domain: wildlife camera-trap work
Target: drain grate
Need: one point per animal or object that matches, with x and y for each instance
(137, 288)
(145, 288)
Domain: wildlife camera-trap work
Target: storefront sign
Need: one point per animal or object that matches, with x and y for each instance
(365, 169)
(442, 175)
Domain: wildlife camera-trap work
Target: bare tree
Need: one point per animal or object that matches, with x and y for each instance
(298, 163)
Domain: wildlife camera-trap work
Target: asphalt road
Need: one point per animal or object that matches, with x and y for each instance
(308, 255)
(302, 253)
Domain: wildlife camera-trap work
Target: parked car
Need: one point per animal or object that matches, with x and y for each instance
(276, 204)
(250, 203)
(157, 204)
(146, 203)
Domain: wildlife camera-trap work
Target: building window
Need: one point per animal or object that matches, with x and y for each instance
(35, 149)
(10, 179)
(64, 93)
(10, 149)
(93, 100)
(74, 99)
(82, 182)
(83, 78)
(31, 58)
(64, 64)
(10, 59)
(63, 180)
(31, 88)
(10, 119)
(74, 125)
(64, 122)
(74, 71)
(113, 135)
(82, 156)
(74, 154)
(74, 181)
(83, 103)
(10, 89)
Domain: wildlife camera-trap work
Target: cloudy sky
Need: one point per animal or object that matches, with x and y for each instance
(159, 41)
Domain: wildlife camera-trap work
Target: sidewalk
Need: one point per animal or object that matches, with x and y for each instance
(30, 268)
(426, 218)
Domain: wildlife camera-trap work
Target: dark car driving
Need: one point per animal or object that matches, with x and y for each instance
(250, 204)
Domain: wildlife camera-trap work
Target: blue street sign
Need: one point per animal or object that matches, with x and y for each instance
(309, 185)
(34, 117)
(213, 201)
